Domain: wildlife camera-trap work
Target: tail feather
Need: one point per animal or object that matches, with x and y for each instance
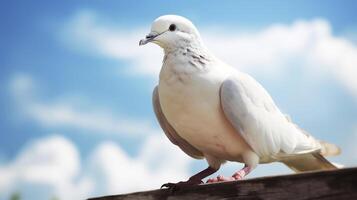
(328, 149)
(308, 162)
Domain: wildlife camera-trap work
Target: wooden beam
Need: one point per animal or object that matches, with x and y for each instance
(334, 184)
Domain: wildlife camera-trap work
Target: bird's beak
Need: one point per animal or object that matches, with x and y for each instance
(148, 38)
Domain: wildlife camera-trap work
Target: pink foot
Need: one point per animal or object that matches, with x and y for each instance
(239, 175)
(236, 176)
(220, 179)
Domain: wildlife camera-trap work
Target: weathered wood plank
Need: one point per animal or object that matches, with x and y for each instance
(335, 184)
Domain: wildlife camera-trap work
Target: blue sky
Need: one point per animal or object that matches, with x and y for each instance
(72, 76)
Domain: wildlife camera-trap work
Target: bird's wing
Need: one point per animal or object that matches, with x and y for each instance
(253, 113)
(170, 131)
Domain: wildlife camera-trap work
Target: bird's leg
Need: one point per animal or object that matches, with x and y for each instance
(193, 180)
(236, 176)
(242, 173)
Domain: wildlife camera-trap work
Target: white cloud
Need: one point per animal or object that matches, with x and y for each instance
(270, 50)
(158, 162)
(52, 167)
(86, 32)
(59, 115)
(51, 163)
(65, 114)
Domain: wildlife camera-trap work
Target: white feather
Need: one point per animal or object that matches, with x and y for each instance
(251, 110)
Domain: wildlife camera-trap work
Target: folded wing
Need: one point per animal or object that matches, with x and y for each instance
(252, 112)
(170, 131)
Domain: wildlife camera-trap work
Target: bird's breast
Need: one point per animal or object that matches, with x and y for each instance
(184, 93)
(192, 107)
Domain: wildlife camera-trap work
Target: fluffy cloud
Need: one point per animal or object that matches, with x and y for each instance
(51, 164)
(274, 50)
(86, 33)
(66, 114)
(52, 167)
(158, 162)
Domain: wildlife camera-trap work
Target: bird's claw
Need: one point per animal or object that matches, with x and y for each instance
(167, 185)
(177, 186)
(173, 187)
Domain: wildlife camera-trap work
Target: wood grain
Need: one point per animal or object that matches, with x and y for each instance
(334, 184)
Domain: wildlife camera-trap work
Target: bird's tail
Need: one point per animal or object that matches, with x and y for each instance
(328, 149)
(308, 162)
(313, 161)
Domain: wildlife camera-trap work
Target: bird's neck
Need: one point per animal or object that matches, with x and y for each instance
(194, 56)
(189, 50)
(194, 44)
(184, 62)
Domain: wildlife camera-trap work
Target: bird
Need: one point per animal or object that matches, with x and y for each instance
(213, 111)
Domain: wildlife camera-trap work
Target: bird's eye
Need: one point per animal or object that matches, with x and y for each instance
(172, 27)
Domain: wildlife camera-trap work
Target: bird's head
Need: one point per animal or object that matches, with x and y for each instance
(172, 31)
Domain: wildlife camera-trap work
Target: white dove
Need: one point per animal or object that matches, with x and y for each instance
(213, 111)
